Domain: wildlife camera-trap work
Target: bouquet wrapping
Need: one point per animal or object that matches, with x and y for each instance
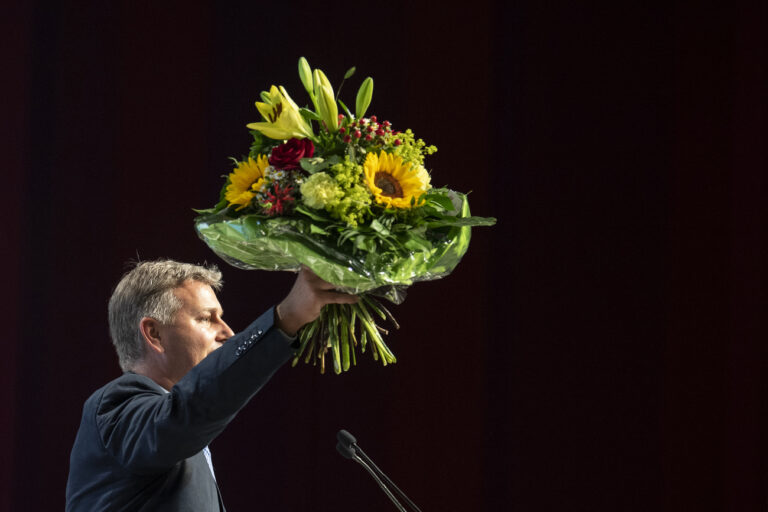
(352, 201)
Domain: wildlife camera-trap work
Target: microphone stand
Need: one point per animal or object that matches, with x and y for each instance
(347, 447)
(352, 455)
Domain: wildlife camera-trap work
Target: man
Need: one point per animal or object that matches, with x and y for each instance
(143, 439)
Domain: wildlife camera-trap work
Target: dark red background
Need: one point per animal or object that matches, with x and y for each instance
(600, 349)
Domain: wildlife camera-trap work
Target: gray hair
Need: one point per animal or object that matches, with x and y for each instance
(147, 291)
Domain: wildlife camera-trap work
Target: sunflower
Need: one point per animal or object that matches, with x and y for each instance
(245, 181)
(394, 183)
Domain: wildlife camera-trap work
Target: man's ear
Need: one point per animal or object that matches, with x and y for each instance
(150, 331)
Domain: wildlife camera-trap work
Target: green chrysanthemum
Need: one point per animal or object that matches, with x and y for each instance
(320, 191)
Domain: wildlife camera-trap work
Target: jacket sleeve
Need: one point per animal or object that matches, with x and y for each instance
(147, 430)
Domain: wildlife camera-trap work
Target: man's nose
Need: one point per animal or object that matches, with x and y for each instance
(225, 333)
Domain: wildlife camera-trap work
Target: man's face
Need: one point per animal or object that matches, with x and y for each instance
(196, 330)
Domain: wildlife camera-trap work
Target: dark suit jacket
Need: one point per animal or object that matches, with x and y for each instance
(140, 448)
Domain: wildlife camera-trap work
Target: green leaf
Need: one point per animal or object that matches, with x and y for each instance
(346, 109)
(462, 221)
(312, 214)
(317, 230)
(379, 227)
(346, 236)
(261, 145)
(364, 243)
(440, 200)
(309, 114)
(313, 165)
(416, 243)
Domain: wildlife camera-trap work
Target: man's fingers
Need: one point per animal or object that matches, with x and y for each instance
(315, 281)
(339, 298)
(305, 300)
(323, 285)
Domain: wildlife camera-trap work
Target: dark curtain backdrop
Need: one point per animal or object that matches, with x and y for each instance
(602, 348)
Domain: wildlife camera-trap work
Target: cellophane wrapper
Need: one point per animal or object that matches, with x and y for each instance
(253, 242)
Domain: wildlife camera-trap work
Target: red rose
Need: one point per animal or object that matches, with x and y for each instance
(288, 154)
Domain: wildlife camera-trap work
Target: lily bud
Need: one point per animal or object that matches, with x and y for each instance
(326, 105)
(305, 73)
(320, 79)
(364, 95)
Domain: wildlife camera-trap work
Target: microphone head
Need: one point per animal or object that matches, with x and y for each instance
(346, 451)
(346, 438)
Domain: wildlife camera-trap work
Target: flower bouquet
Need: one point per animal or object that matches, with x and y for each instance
(347, 196)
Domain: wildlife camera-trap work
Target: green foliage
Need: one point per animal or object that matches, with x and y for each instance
(347, 75)
(345, 108)
(261, 144)
(328, 144)
(309, 115)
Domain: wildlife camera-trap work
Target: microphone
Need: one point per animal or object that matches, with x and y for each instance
(348, 448)
(345, 451)
(346, 438)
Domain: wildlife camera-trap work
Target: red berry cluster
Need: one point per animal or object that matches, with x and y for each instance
(368, 129)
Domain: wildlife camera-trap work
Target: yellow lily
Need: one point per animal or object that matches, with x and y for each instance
(283, 120)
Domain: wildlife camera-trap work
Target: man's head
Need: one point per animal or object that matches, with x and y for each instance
(151, 301)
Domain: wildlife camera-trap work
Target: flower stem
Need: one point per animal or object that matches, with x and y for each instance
(339, 329)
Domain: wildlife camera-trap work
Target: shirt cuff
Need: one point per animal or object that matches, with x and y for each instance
(292, 339)
(288, 338)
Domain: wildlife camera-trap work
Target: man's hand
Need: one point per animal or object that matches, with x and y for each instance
(305, 300)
